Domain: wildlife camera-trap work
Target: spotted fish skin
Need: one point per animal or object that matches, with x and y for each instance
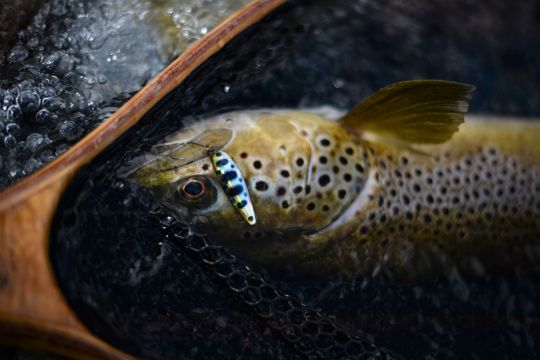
(392, 187)
(472, 205)
(234, 184)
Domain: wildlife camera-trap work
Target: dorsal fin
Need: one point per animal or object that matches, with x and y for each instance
(412, 112)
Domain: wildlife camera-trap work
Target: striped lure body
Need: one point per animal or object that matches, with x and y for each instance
(232, 181)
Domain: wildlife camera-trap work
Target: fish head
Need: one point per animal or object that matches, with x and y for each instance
(297, 171)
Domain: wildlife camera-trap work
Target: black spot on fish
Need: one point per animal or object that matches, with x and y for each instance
(297, 189)
(300, 162)
(285, 173)
(310, 206)
(250, 218)
(281, 191)
(349, 151)
(285, 204)
(323, 159)
(324, 180)
(261, 186)
(325, 142)
(243, 155)
(347, 177)
(257, 164)
(342, 193)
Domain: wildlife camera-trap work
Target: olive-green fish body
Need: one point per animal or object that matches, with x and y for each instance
(473, 202)
(391, 185)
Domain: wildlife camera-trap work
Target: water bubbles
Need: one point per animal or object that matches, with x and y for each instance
(58, 62)
(31, 166)
(102, 79)
(64, 65)
(12, 128)
(42, 116)
(59, 8)
(33, 43)
(46, 91)
(96, 41)
(18, 54)
(14, 113)
(73, 60)
(93, 98)
(69, 130)
(10, 142)
(49, 62)
(34, 142)
(8, 100)
(54, 104)
(28, 101)
(82, 70)
(75, 100)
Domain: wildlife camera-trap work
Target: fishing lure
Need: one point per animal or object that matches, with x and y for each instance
(232, 181)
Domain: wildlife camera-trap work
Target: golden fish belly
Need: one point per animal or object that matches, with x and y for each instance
(472, 203)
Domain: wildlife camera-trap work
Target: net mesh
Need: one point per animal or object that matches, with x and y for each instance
(308, 331)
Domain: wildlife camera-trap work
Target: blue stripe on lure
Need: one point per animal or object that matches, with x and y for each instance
(233, 183)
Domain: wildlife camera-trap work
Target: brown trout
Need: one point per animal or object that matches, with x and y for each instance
(394, 183)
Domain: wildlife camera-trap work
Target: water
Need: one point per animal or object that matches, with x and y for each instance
(78, 61)
(148, 296)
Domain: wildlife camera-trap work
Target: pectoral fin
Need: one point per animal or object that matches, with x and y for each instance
(412, 112)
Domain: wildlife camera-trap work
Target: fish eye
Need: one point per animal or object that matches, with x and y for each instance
(193, 189)
(196, 192)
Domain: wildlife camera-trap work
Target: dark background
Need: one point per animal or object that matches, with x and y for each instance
(146, 296)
